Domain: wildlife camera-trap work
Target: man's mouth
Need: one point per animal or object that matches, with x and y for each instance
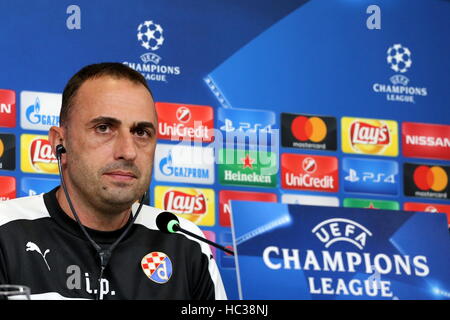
(121, 175)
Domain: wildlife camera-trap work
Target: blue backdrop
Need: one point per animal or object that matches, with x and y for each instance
(378, 59)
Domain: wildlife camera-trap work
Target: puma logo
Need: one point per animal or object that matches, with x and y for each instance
(31, 246)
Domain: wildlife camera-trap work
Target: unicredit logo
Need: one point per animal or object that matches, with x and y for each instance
(315, 173)
(309, 165)
(430, 178)
(308, 181)
(183, 114)
(177, 122)
(181, 202)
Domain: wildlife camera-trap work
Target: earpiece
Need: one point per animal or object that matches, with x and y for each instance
(60, 150)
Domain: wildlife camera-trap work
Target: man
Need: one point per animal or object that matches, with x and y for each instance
(106, 142)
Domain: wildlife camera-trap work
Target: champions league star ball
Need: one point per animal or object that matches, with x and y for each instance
(150, 35)
(399, 58)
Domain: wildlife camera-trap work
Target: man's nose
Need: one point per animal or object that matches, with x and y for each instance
(125, 147)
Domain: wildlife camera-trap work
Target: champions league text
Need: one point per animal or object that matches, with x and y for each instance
(339, 262)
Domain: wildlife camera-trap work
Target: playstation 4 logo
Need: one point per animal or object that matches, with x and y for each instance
(352, 176)
(370, 176)
(247, 126)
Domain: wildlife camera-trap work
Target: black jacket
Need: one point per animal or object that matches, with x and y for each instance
(43, 248)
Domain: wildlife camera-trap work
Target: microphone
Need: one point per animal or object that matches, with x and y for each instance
(167, 222)
(103, 254)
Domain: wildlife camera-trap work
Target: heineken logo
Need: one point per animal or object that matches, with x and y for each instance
(247, 162)
(245, 167)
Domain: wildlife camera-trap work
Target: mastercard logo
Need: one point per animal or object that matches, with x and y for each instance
(2, 148)
(309, 129)
(434, 178)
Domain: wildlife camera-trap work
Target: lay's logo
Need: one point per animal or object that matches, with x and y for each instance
(365, 133)
(194, 204)
(37, 155)
(182, 202)
(370, 136)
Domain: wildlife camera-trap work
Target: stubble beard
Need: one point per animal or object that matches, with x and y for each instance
(106, 196)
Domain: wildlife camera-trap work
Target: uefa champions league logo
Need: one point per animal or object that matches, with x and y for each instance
(150, 35)
(399, 58)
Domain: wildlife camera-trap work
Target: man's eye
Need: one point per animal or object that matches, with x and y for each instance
(102, 128)
(141, 132)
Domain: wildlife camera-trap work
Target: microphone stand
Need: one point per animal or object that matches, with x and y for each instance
(176, 227)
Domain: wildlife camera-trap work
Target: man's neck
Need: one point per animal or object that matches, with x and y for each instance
(89, 216)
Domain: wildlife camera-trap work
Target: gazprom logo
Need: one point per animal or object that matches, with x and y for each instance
(338, 229)
(168, 169)
(186, 164)
(165, 165)
(33, 115)
(39, 110)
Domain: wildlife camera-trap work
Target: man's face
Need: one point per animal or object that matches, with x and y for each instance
(110, 141)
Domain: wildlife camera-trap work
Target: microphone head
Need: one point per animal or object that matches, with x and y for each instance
(165, 221)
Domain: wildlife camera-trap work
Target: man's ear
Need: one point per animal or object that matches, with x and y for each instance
(56, 136)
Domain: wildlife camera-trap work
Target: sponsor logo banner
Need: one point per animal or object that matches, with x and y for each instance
(309, 172)
(428, 207)
(177, 163)
(370, 176)
(308, 132)
(194, 204)
(340, 253)
(426, 181)
(39, 110)
(423, 140)
(36, 155)
(247, 168)
(7, 188)
(371, 204)
(7, 151)
(254, 127)
(7, 108)
(225, 196)
(185, 122)
(35, 186)
(370, 136)
(310, 200)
